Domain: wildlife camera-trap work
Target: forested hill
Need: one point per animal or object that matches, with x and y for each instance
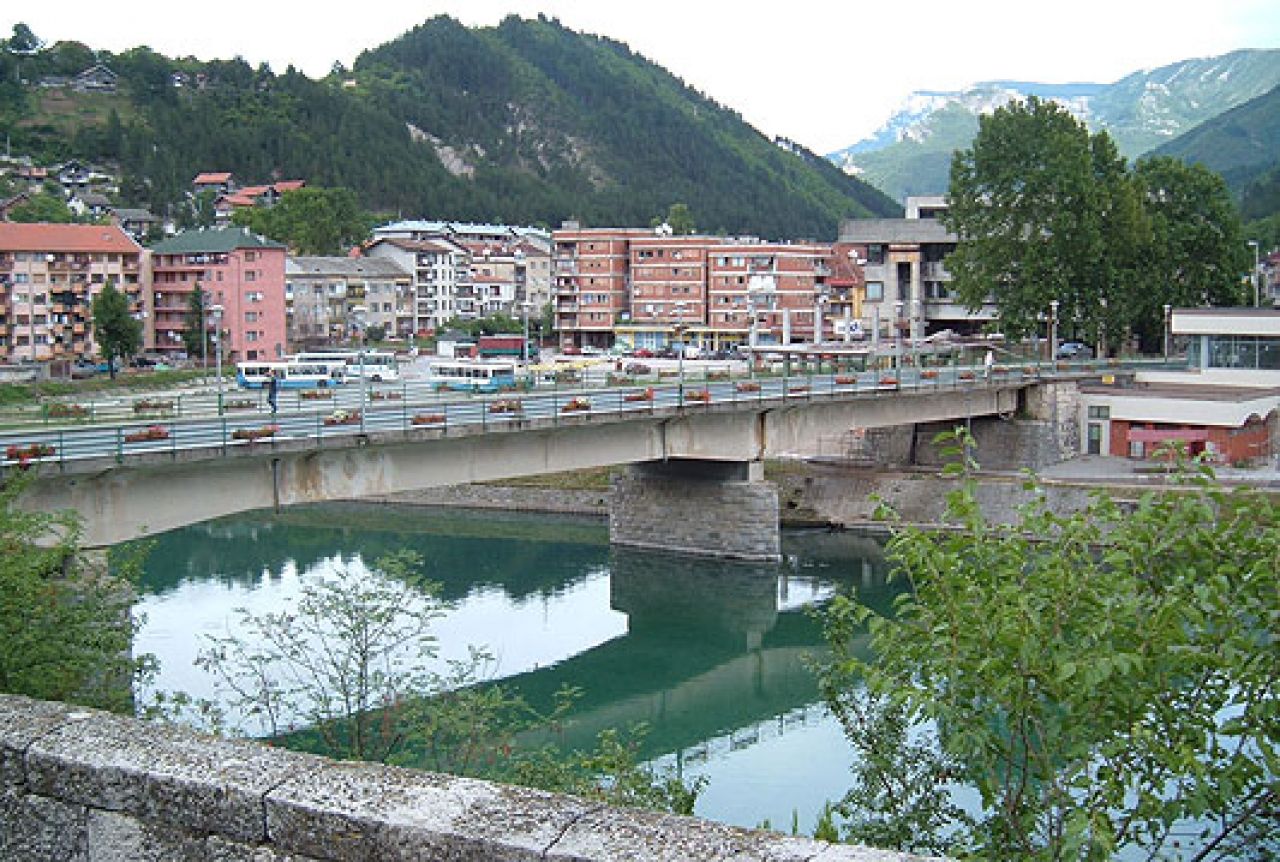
(526, 122)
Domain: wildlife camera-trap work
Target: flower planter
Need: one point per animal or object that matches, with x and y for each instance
(701, 395)
(428, 419)
(155, 432)
(152, 406)
(317, 395)
(67, 411)
(506, 405)
(888, 382)
(966, 375)
(929, 374)
(798, 390)
(240, 404)
(748, 386)
(24, 454)
(252, 434)
(846, 380)
(343, 417)
(385, 396)
(643, 395)
(577, 405)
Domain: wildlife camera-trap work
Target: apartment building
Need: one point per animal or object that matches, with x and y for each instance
(329, 300)
(438, 269)
(242, 274)
(649, 289)
(908, 288)
(49, 277)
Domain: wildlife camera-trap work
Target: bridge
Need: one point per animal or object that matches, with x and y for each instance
(697, 451)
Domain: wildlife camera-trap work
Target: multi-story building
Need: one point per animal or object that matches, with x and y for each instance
(439, 269)
(650, 289)
(49, 277)
(242, 274)
(908, 288)
(329, 299)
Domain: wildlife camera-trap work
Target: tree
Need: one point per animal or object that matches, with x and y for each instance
(678, 218)
(118, 334)
(65, 628)
(1097, 679)
(43, 207)
(24, 41)
(312, 221)
(195, 337)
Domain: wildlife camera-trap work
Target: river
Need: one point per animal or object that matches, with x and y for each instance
(709, 655)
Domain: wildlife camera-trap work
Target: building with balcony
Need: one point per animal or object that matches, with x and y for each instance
(327, 299)
(440, 270)
(239, 272)
(49, 277)
(591, 272)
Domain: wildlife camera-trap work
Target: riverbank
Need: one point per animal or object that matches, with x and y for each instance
(835, 493)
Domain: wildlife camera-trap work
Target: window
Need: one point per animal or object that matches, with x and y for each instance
(875, 254)
(1099, 412)
(250, 275)
(875, 291)
(251, 317)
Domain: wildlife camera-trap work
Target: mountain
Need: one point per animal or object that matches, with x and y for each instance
(911, 153)
(526, 122)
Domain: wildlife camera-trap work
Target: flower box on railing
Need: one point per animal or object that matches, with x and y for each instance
(888, 382)
(343, 417)
(385, 396)
(748, 386)
(428, 419)
(24, 454)
(798, 389)
(577, 405)
(152, 406)
(664, 374)
(240, 404)
(966, 375)
(1062, 366)
(507, 405)
(929, 374)
(252, 434)
(155, 432)
(67, 411)
(642, 395)
(701, 395)
(717, 375)
(846, 380)
(316, 395)
(999, 369)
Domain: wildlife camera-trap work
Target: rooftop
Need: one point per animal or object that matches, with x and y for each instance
(43, 237)
(377, 267)
(895, 230)
(212, 240)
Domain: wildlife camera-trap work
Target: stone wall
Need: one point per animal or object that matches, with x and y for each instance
(78, 785)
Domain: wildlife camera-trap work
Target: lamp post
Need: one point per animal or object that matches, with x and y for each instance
(524, 345)
(355, 321)
(1053, 329)
(680, 308)
(1168, 317)
(1257, 290)
(217, 344)
(897, 335)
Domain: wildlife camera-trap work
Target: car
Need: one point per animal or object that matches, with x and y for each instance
(638, 368)
(1074, 350)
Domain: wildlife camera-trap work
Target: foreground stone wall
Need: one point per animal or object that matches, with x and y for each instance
(78, 785)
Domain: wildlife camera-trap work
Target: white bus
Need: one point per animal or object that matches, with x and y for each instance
(473, 375)
(379, 365)
(292, 374)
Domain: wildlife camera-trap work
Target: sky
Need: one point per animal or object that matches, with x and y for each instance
(825, 73)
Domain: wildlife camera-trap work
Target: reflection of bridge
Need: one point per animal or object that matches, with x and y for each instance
(697, 488)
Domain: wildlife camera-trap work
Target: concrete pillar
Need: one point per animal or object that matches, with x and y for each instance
(705, 508)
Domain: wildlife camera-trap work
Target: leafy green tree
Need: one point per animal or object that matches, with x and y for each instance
(23, 40)
(312, 221)
(43, 207)
(118, 334)
(1099, 680)
(65, 630)
(196, 340)
(678, 218)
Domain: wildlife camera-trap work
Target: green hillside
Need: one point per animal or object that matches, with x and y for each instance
(1242, 144)
(524, 123)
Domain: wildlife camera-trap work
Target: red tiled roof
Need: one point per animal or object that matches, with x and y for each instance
(211, 178)
(253, 191)
(237, 200)
(44, 237)
(290, 185)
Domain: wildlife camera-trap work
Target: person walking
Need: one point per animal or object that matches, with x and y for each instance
(988, 363)
(273, 390)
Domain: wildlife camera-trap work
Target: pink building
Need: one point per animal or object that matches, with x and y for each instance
(239, 272)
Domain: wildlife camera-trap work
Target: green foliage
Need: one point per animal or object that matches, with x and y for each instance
(494, 324)
(311, 221)
(65, 629)
(118, 334)
(43, 207)
(196, 337)
(678, 218)
(1047, 212)
(1095, 678)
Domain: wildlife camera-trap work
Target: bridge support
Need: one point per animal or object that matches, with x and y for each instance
(689, 506)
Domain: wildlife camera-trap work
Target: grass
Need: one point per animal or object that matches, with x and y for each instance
(595, 479)
(20, 394)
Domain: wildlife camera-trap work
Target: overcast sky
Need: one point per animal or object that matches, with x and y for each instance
(823, 72)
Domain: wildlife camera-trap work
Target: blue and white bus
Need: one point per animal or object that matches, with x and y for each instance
(377, 365)
(292, 374)
(473, 375)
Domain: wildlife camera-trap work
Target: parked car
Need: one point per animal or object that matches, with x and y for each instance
(1074, 350)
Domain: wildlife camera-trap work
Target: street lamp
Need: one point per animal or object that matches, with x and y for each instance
(355, 319)
(680, 308)
(524, 348)
(897, 335)
(1053, 329)
(1257, 290)
(1168, 317)
(217, 344)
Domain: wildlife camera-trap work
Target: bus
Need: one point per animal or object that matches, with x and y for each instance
(292, 374)
(473, 375)
(379, 365)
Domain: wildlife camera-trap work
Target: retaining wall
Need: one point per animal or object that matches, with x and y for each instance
(77, 785)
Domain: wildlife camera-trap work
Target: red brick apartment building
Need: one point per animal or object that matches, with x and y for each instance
(49, 276)
(647, 289)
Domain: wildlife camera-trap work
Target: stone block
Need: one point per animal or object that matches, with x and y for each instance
(116, 837)
(161, 773)
(36, 829)
(350, 811)
(22, 722)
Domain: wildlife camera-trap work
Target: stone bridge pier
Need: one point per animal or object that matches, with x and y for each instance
(699, 507)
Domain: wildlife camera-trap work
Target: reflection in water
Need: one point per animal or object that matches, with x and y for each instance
(710, 655)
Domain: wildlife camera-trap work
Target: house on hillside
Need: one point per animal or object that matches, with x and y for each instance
(218, 182)
(95, 79)
(138, 223)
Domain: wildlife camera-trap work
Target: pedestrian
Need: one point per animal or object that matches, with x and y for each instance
(988, 362)
(273, 390)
